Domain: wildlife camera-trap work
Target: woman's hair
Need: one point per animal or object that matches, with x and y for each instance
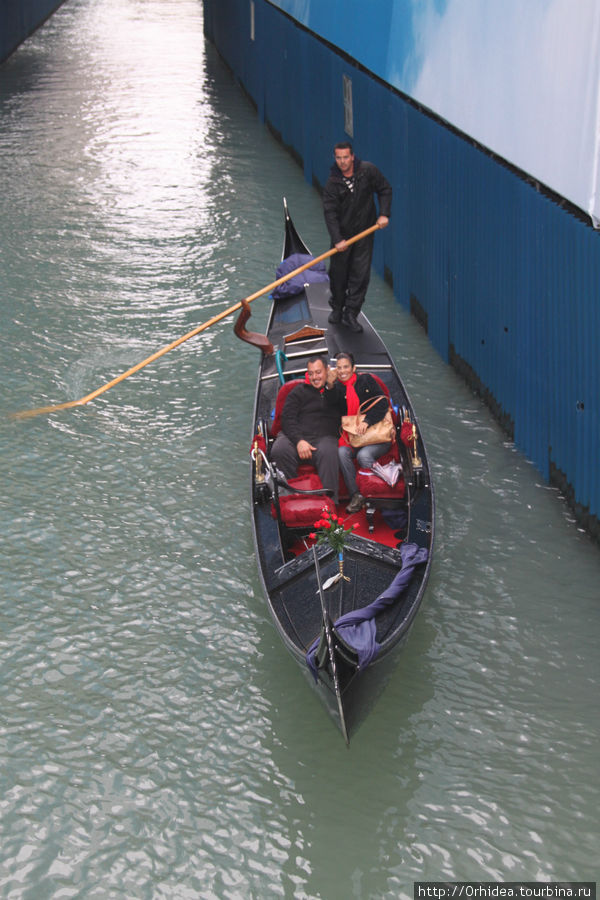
(347, 356)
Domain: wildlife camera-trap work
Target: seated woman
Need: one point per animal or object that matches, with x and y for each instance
(357, 388)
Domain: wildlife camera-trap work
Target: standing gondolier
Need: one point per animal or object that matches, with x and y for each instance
(349, 207)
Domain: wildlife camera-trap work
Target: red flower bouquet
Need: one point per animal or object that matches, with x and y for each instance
(329, 529)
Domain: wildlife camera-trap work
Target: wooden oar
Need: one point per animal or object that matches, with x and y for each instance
(29, 413)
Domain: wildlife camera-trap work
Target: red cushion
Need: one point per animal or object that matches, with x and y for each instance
(370, 485)
(279, 403)
(303, 512)
(406, 434)
(306, 481)
(299, 511)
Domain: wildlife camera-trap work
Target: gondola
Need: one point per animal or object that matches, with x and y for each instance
(343, 617)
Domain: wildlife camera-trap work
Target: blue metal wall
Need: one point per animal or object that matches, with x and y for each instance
(506, 281)
(19, 19)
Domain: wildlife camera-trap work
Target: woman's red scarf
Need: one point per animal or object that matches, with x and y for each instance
(352, 404)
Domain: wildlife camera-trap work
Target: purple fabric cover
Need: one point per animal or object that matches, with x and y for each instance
(318, 272)
(358, 627)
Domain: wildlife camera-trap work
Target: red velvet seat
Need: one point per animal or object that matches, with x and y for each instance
(369, 484)
(302, 512)
(299, 510)
(279, 403)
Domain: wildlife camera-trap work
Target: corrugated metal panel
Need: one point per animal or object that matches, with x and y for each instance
(506, 281)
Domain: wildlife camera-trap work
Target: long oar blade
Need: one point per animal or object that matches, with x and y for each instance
(29, 413)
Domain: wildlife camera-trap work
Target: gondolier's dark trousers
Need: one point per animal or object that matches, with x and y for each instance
(349, 274)
(325, 458)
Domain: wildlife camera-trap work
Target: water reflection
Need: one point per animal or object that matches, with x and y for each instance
(156, 737)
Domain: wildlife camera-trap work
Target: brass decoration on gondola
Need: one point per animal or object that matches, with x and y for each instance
(259, 475)
(416, 460)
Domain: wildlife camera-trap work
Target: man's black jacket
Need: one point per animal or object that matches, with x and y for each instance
(309, 414)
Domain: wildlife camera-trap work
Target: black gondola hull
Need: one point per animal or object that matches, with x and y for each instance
(288, 575)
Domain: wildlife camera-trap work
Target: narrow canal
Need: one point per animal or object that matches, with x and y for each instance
(156, 740)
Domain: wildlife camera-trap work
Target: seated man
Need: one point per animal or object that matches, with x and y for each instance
(310, 428)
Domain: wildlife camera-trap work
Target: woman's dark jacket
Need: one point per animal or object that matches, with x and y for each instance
(367, 389)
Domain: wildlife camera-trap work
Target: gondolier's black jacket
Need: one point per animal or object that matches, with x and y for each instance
(309, 414)
(348, 212)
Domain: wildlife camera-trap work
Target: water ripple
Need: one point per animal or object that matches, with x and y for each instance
(157, 741)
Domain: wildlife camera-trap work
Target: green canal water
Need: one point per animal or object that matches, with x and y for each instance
(155, 738)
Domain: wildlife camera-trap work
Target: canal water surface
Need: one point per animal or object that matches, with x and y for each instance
(155, 738)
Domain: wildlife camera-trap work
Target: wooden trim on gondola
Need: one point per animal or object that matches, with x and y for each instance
(307, 331)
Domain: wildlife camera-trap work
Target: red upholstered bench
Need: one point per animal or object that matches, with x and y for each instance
(371, 485)
(302, 512)
(279, 403)
(377, 493)
(299, 510)
(374, 488)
